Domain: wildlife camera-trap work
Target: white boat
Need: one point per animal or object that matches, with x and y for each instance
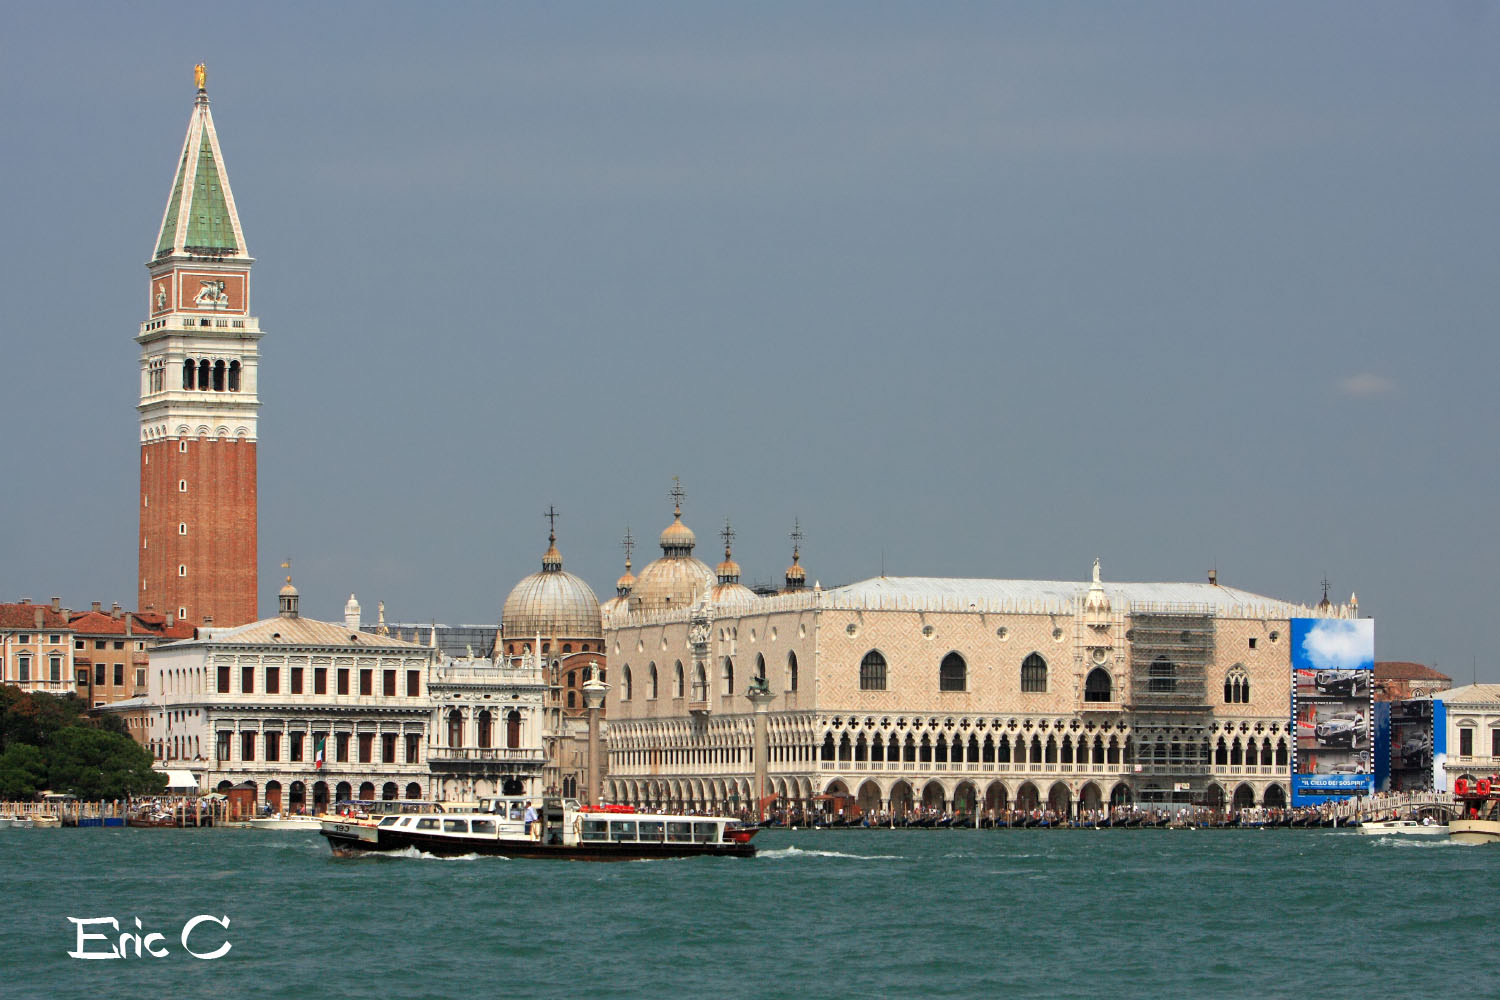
(1479, 822)
(22, 822)
(5, 822)
(511, 826)
(285, 823)
(1401, 828)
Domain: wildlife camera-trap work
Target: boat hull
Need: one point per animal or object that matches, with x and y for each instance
(353, 843)
(1401, 829)
(1474, 831)
(287, 823)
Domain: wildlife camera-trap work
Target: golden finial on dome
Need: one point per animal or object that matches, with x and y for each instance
(200, 77)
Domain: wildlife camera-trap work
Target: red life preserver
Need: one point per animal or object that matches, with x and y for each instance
(1461, 786)
(1482, 787)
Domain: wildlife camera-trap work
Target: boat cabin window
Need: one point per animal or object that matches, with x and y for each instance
(622, 829)
(483, 825)
(455, 826)
(517, 811)
(705, 833)
(651, 830)
(427, 823)
(595, 829)
(679, 833)
(390, 821)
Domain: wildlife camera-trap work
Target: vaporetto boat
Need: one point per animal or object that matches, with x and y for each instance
(561, 829)
(1479, 822)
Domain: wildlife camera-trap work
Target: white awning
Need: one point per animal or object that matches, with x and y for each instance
(180, 779)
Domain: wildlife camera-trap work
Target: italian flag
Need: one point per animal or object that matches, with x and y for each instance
(318, 754)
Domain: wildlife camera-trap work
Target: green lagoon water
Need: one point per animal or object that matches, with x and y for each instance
(958, 913)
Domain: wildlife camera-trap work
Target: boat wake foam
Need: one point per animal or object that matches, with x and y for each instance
(793, 851)
(412, 852)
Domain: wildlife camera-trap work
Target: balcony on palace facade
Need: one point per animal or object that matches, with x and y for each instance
(485, 755)
(697, 707)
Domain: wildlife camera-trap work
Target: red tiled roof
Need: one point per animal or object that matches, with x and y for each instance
(23, 616)
(141, 623)
(1402, 670)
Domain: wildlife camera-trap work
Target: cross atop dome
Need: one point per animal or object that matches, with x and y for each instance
(552, 558)
(796, 576)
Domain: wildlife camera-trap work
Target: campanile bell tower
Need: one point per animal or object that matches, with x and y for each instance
(200, 361)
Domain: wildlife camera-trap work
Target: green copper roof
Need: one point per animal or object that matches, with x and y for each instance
(169, 225)
(208, 219)
(200, 214)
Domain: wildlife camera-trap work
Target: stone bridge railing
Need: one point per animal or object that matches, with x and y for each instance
(1383, 804)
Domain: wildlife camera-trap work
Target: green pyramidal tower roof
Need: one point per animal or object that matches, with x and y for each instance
(200, 217)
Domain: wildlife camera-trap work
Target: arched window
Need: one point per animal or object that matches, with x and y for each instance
(484, 729)
(677, 680)
(513, 730)
(872, 672)
(1236, 686)
(1097, 687)
(234, 376)
(651, 682)
(760, 668)
(189, 369)
(205, 373)
(791, 671)
(727, 675)
(455, 728)
(1163, 676)
(1034, 673)
(219, 373)
(625, 683)
(953, 673)
(700, 683)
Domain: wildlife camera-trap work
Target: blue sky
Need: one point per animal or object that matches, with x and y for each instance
(969, 289)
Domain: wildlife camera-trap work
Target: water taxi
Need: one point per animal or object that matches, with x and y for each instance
(1401, 828)
(561, 828)
(1479, 821)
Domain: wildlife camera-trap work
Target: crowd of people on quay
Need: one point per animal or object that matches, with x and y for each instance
(1346, 812)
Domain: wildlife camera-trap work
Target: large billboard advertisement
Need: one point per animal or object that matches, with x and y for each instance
(1333, 669)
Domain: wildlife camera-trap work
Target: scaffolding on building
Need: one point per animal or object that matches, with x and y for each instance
(1171, 650)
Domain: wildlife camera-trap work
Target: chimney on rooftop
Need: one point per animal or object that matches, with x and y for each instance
(96, 606)
(57, 604)
(40, 617)
(1213, 577)
(114, 610)
(25, 600)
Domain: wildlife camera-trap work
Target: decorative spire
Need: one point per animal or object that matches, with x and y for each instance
(551, 559)
(729, 570)
(1325, 604)
(200, 219)
(677, 540)
(796, 576)
(1096, 600)
(288, 597)
(626, 583)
